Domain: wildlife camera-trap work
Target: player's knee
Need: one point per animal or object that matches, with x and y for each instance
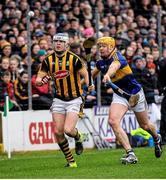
(68, 130)
(113, 122)
(144, 126)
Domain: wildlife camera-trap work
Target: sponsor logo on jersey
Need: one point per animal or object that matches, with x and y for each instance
(61, 74)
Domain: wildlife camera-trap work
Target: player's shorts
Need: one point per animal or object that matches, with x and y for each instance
(139, 107)
(63, 107)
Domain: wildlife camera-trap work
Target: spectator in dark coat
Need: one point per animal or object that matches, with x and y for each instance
(21, 90)
(162, 85)
(143, 76)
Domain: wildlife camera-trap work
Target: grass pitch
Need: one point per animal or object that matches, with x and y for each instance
(92, 164)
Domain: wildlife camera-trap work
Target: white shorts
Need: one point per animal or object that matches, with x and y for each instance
(140, 106)
(63, 107)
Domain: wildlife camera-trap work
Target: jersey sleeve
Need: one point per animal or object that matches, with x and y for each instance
(79, 64)
(120, 59)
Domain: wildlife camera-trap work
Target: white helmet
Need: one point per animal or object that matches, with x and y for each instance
(61, 37)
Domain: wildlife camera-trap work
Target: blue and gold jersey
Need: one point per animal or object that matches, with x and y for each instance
(124, 76)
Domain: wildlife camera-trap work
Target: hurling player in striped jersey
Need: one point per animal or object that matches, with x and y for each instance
(66, 70)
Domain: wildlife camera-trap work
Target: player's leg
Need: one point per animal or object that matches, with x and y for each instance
(59, 116)
(145, 124)
(59, 121)
(72, 131)
(72, 118)
(116, 113)
(141, 112)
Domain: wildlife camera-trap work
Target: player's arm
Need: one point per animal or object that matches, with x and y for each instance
(115, 65)
(95, 72)
(84, 73)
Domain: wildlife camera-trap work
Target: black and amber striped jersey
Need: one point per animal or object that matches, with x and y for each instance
(123, 78)
(20, 90)
(64, 71)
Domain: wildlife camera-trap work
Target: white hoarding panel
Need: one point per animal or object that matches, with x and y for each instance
(128, 123)
(33, 130)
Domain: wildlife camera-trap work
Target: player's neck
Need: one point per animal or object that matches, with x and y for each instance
(60, 53)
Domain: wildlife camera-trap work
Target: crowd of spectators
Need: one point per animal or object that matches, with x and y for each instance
(132, 23)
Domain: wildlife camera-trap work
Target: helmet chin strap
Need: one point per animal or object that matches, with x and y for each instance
(112, 52)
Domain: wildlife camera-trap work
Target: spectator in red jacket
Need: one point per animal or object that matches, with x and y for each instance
(41, 95)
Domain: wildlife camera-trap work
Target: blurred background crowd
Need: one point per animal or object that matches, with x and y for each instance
(139, 28)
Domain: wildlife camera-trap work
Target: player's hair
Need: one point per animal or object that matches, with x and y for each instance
(107, 41)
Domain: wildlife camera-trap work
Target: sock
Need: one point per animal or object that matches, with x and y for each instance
(77, 136)
(156, 139)
(130, 151)
(64, 146)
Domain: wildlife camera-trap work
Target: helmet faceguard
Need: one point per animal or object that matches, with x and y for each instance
(61, 37)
